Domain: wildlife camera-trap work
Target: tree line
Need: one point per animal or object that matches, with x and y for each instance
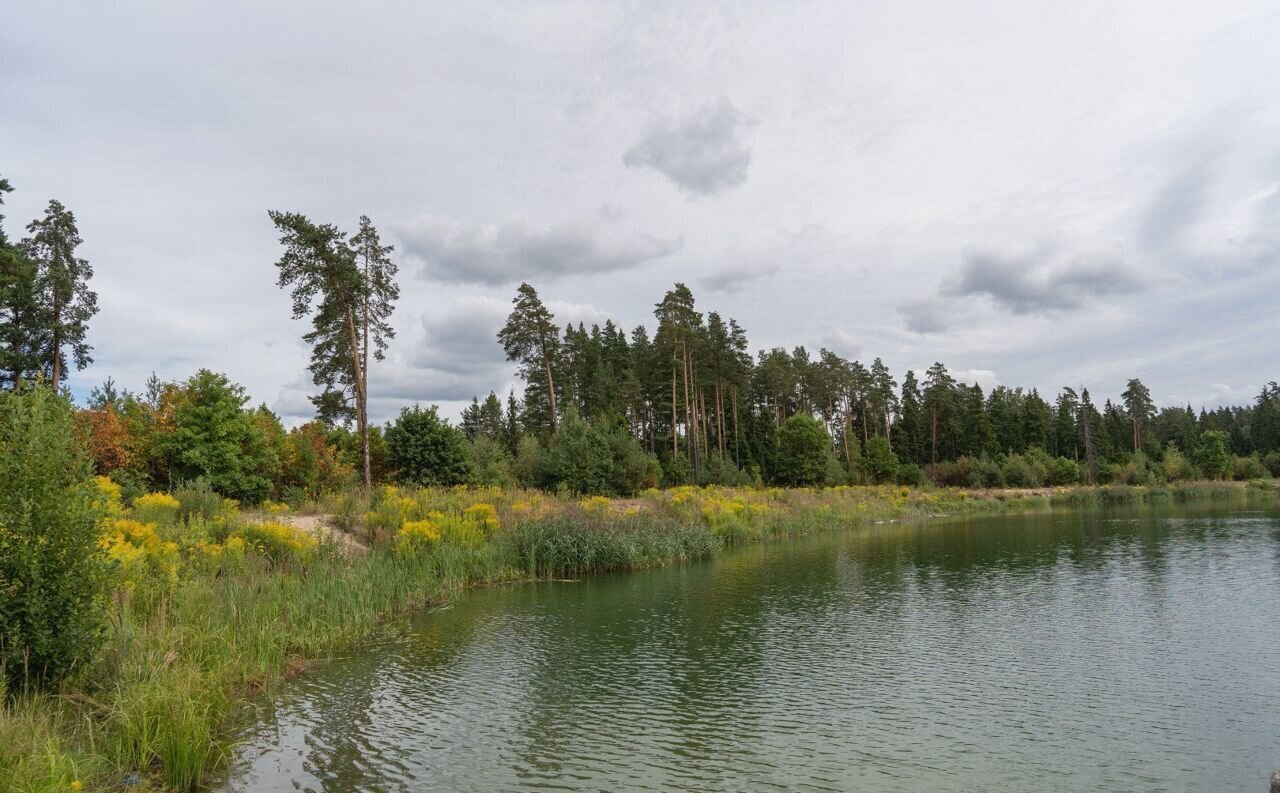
(601, 409)
(695, 399)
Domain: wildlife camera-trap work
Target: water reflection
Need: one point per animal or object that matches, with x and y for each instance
(1100, 651)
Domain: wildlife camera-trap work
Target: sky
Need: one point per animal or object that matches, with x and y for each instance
(1037, 194)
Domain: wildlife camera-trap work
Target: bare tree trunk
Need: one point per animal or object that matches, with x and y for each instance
(737, 443)
(720, 416)
(675, 419)
(706, 434)
(551, 385)
(933, 435)
(361, 398)
(57, 345)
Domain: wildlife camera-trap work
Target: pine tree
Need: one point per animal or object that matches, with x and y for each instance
(352, 287)
(530, 338)
(1141, 410)
(64, 302)
(23, 337)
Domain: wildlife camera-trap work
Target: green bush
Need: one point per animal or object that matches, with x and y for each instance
(1064, 471)
(1175, 467)
(1247, 468)
(1212, 457)
(53, 575)
(802, 452)
(198, 499)
(1272, 462)
(425, 450)
(678, 471)
(878, 462)
(910, 474)
(1018, 472)
(490, 463)
(987, 473)
(214, 438)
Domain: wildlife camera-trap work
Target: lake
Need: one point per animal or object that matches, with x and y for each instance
(1103, 650)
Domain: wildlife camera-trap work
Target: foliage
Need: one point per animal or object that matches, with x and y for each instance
(216, 440)
(490, 465)
(1064, 472)
(879, 463)
(1245, 469)
(52, 570)
(1212, 457)
(64, 302)
(425, 450)
(802, 452)
(910, 474)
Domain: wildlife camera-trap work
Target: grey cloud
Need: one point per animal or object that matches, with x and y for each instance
(1027, 283)
(497, 254)
(927, 316)
(461, 340)
(1176, 206)
(704, 153)
(734, 279)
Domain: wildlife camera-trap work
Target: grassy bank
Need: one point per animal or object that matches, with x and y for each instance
(213, 606)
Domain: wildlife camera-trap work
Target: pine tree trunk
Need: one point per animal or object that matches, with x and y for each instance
(361, 398)
(737, 443)
(57, 344)
(364, 406)
(675, 436)
(933, 436)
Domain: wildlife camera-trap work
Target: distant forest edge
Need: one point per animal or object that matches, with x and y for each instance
(602, 411)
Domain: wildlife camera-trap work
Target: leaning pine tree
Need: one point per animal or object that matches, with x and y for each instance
(348, 286)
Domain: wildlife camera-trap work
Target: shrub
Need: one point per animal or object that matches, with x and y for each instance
(1064, 471)
(878, 462)
(53, 574)
(276, 541)
(1211, 455)
(214, 438)
(489, 462)
(910, 474)
(159, 508)
(1175, 467)
(1272, 461)
(1018, 472)
(1247, 468)
(678, 471)
(987, 473)
(802, 452)
(425, 450)
(718, 470)
(198, 499)
(956, 473)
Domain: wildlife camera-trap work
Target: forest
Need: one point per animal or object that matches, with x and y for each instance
(603, 410)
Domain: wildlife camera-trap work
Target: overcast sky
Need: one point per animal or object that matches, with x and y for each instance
(1035, 193)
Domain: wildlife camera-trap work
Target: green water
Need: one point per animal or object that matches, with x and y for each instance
(1093, 651)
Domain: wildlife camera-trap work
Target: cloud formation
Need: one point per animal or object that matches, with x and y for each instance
(1038, 281)
(456, 252)
(734, 279)
(463, 339)
(703, 153)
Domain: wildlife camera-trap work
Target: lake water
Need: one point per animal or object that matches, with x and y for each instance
(1133, 651)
